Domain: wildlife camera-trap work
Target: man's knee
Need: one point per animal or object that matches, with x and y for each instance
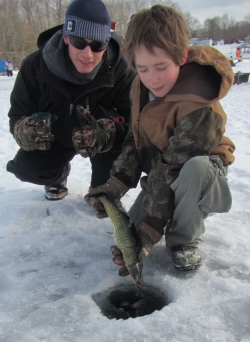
(18, 170)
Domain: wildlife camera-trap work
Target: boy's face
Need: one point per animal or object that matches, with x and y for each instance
(158, 72)
(84, 60)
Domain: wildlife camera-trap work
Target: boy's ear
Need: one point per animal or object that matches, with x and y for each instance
(184, 58)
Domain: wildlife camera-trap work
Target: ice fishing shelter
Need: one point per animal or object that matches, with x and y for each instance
(2, 67)
(244, 47)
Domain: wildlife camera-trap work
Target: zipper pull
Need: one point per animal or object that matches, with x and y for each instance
(87, 104)
(71, 108)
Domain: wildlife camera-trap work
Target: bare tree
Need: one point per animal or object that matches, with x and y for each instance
(122, 10)
(13, 31)
(36, 14)
(212, 28)
(57, 10)
(193, 24)
(27, 7)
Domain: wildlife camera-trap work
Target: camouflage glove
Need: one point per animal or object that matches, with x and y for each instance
(113, 189)
(32, 134)
(148, 237)
(96, 136)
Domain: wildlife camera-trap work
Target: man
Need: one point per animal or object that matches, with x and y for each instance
(80, 76)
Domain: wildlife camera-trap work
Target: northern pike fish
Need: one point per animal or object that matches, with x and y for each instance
(125, 238)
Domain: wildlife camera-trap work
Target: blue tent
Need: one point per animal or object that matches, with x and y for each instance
(2, 67)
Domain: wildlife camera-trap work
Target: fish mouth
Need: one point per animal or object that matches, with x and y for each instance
(135, 271)
(139, 285)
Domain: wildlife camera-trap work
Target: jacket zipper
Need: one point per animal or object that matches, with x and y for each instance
(71, 108)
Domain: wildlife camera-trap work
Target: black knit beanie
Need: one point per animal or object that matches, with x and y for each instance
(87, 19)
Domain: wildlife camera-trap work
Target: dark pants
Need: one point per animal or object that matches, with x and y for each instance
(9, 73)
(51, 167)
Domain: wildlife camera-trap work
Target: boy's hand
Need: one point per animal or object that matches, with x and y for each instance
(148, 237)
(32, 134)
(113, 189)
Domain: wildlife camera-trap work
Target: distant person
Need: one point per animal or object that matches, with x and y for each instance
(176, 138)
(238, 52)
(9, 69)
(79, 65)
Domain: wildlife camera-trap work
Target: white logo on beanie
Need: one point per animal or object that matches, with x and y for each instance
(70, 26)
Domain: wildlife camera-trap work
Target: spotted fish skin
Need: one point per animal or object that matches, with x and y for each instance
(124, 233)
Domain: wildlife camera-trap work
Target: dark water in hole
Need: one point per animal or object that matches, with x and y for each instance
(125, 301)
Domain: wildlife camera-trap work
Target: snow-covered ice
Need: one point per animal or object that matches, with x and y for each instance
(55, 255)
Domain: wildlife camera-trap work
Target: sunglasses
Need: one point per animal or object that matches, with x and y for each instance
(81, 44)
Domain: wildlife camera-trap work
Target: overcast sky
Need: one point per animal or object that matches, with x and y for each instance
(202, 10)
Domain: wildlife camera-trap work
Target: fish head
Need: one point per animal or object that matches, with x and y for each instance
(135, 270)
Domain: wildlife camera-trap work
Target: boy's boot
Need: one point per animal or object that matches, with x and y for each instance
(56, 192)
(186, 258)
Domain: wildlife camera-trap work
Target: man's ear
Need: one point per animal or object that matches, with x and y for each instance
(66, 40)
(184, 58)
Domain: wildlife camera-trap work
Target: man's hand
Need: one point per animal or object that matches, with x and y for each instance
(113, 189)
(32, 134)
(96, 136)
(148, 237)
(118, 260)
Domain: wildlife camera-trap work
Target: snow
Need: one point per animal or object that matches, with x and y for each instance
(54, 256)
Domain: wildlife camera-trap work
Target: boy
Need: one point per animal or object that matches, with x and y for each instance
(176, 137)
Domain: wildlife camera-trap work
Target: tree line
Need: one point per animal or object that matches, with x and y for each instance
(23, 20)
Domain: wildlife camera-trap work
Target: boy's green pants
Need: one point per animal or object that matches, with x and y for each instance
(200, 189)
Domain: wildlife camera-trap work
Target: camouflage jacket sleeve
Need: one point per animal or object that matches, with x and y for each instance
(128, 162)
(194, 135)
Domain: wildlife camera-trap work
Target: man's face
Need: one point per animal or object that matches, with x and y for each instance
(84, 60)
(157, 71)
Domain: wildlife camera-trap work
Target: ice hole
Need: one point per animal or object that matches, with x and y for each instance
(126, 301)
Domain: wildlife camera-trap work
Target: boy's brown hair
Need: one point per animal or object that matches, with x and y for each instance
(159, 26)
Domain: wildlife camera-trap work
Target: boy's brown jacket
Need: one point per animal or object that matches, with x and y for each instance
(189, 121)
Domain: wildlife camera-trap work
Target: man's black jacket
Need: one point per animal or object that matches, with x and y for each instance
(37, 89)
